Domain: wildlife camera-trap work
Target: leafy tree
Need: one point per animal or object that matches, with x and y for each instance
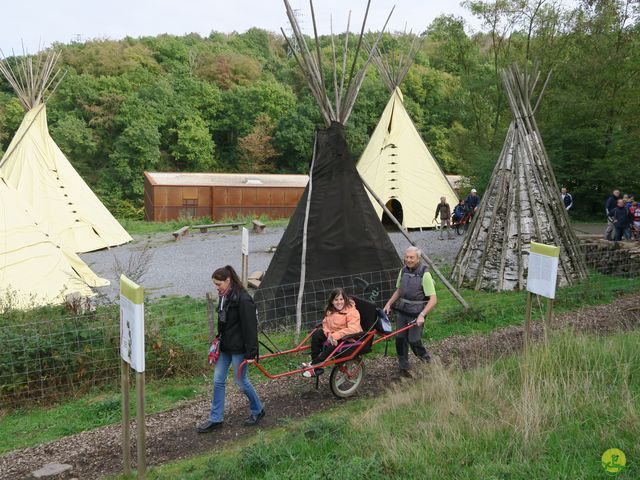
(256, 149)
(137, 149)
(194, 148)
(293, 136)
(11, 115)
(227, 69)
(76, 140)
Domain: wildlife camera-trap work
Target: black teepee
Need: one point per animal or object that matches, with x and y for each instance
(334, 232)
(344, 235)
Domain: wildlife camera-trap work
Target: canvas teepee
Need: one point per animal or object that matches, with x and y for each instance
(522, 204)
(34, 269)
(334, 231)
(41, 174)
(396, 163)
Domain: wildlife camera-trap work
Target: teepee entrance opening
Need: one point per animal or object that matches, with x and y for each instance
(395, 207)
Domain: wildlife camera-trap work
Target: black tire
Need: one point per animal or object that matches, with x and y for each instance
(460, 228)
(346, 377)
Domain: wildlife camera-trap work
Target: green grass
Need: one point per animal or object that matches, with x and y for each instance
(183, 323)
(549, 415)
(490, 310)
(27, 427)
(141, 227)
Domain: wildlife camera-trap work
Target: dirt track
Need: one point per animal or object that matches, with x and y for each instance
(171, 435)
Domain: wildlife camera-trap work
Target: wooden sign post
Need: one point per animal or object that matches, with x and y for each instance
(245, 257)
(132, 356)
(541, 280)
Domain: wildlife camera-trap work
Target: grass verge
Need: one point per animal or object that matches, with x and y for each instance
(549, 415)
(141, 227)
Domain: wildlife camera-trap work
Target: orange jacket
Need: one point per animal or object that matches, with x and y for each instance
(344, 322)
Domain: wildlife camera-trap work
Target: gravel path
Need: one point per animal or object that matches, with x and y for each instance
(184, 267)
(171, 435)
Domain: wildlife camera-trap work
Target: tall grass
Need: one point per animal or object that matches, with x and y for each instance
(548, 415)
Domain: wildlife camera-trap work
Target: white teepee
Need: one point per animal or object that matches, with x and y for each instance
(396, 163)
(41, 174)
(34, 269)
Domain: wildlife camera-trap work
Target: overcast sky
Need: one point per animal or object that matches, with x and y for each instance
(40, 22)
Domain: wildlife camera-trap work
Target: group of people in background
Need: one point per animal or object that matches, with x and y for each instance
(623, 217)
(464, 208)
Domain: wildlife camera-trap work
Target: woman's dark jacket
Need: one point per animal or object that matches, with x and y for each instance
(238, 324)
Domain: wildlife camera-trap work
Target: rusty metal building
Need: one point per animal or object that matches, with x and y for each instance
(168, 196)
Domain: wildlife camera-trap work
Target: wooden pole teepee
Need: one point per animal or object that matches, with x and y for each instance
(324, 237)
(33, 77)
(522, 204)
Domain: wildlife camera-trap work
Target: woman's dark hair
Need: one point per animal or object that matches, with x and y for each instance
(332, 296)
(222, 273)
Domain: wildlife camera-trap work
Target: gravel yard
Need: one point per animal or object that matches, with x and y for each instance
(184, 267)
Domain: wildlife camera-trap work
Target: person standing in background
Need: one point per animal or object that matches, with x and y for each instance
(444, 210)
(609, 205)
(567, 198)
(472, 201)
(620, 219)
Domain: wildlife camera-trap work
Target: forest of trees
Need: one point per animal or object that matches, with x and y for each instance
(237, 102)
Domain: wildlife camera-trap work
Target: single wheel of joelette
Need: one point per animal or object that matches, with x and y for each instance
(346, 377)
(460, 228)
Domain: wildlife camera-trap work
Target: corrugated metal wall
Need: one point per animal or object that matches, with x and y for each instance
(162, 203)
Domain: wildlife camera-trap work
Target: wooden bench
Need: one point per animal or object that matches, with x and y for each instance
(258, 226)
(205, 228)
(181, 232)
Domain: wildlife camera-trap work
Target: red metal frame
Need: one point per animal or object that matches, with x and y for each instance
(330, 360)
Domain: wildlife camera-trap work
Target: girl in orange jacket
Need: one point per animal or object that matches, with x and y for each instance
(341, 318)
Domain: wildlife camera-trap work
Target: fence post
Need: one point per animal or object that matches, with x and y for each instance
(126, 439)
(527, 321)
(547, 320)
(141, 431)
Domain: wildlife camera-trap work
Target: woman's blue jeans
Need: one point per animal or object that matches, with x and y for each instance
(219, 383)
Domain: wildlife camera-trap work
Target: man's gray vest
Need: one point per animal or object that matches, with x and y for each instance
(412, 298)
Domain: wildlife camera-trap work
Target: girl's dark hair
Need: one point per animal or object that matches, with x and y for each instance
(332, 296)
(222, 273)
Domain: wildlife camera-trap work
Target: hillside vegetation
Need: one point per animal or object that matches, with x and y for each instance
(236, 102)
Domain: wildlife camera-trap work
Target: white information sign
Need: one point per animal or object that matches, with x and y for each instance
(245, 241)
(543, 269)
(132, 324)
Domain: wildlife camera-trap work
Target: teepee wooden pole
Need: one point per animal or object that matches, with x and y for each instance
(305, 231)
(425, 257)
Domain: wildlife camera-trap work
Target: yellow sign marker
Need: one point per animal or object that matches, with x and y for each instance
(547, 250)
(614, 461)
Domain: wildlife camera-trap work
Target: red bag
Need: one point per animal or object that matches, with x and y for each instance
(214, 351)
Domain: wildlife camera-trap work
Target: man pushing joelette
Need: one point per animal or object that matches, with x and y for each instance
(414, 298)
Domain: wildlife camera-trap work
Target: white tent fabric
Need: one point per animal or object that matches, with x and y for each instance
(45, 179)
(34, 269)
(398, 165)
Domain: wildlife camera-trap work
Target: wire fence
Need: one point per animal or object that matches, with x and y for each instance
(47, 354)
